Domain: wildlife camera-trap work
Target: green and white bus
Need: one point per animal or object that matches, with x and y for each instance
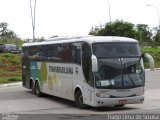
(95, 71)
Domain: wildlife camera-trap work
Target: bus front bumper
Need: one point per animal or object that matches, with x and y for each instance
(99, 102)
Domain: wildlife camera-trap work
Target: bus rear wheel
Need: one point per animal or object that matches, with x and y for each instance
(79, 100)
(32, 87)
(37, 90)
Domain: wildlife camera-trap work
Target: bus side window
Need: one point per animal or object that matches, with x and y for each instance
(25, 52)
(32, 53)
(66, 53)
(86, 63)
(45, 52)
(76, 55)
(35, 53)
(40, 55)
(53, 52)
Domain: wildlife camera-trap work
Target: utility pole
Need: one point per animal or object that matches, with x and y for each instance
(109, 9)
(156, 8)
(33, 17)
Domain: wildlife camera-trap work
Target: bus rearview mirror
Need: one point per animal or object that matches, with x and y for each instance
(94, 63)
(151, 60)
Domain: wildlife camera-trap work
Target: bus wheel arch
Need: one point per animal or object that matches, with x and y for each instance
(79, 98)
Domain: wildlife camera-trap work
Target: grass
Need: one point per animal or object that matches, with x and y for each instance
(10, 67)
(155, 53)
(10, 64)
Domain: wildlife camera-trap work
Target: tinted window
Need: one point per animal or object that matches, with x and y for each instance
(52, 52)
(66, 53)
(76, 53)
(35, 52)
(116, 50)
(10, 47)
(86, 63)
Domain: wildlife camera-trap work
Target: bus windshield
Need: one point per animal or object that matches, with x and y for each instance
(112, 50)
(119, 66)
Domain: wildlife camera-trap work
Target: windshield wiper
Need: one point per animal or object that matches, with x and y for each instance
(125, 71)
(142, 56)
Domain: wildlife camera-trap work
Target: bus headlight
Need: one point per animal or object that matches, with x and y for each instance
(102, 95)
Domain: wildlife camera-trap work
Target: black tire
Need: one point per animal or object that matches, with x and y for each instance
(37, 90)
(79, 100)
(119, 106)
(32, 87)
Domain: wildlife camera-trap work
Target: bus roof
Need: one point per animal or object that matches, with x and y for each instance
(89, 39)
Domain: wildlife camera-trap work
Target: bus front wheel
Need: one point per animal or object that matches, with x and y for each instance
(79, 100)
(119, 105)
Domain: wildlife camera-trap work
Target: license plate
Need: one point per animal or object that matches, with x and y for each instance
(123, 101)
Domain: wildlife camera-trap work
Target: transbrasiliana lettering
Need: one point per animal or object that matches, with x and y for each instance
(57, 69)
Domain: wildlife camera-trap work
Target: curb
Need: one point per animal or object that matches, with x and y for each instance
(11, 84)
(154, 69)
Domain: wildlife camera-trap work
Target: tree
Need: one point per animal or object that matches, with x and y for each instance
(94, 30)
(144, 34)
(10, 33)
(5, 32)
(156, 36)
(117, 28)
(3, 27)
(140, 32)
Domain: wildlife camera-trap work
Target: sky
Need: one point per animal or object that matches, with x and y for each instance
(74, 17)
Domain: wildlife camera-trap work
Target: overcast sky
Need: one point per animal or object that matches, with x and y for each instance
(74, 17)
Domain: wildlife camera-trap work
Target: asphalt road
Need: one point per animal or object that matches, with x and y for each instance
(16, 100)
